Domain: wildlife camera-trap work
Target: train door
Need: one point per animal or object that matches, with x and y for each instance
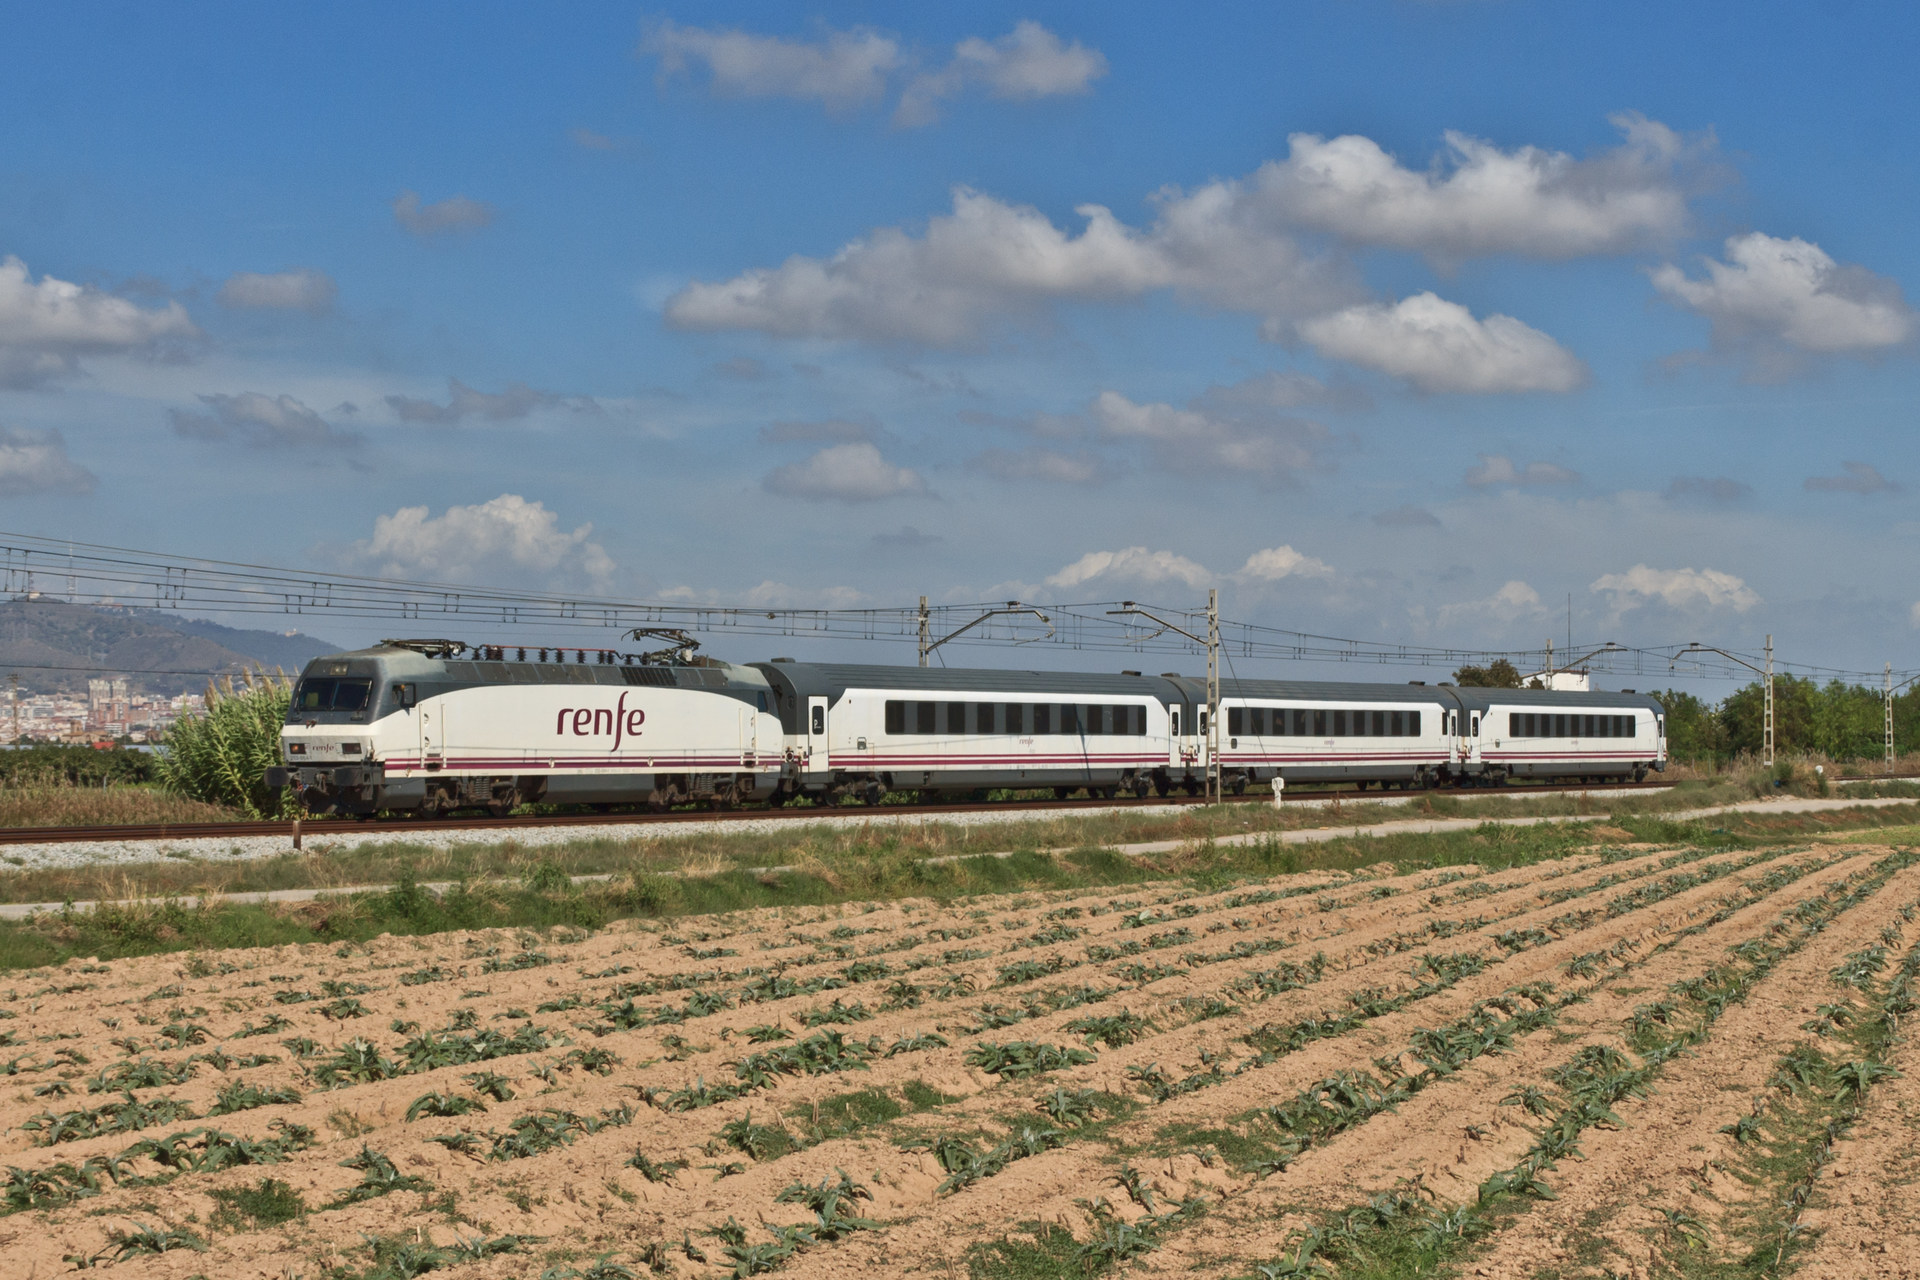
(1176, 743)
(816, 730)
(433, 734)
(749, 739)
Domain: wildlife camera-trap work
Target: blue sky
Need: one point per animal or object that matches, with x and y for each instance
(1399, 321)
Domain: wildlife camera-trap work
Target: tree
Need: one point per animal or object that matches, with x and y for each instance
(1498, 674)
(1694, 730)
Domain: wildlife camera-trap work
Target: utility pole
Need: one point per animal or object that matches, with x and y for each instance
(13, 688)
(1893, 689)
(1769, 702)
(923, 631)
(1212, 642)
(1213, 695)
(1766, 672)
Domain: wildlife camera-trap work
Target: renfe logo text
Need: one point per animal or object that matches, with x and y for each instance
(619, 722)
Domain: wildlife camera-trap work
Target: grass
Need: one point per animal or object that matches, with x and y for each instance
(830, 866)
(333, 861)
(67, 805)
(268, 1203)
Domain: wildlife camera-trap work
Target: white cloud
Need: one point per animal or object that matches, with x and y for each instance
(1477, 199)
(479, 541)
(455, 213)
(302, 289)
(1027, 63)
(1791, 292)
(842, 70)
(1275, 563)
(1512, 603)
(1215, 432)
(1860, 478)
(46, 326)
(267, 421)
(1497, 469)
(1438, 346)
(1153, 568)
(36, 462)
(514, 401)
(844, 473)
(1132, 564)
(1679, 588)
(989, 260)
(1082, 466)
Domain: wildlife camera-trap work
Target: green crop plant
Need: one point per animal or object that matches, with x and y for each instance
(222, 755)
(1070, 1106)
(761, 1141)
(443, 1104)
(1112, 1030)
(655, 1170)
(245, 1097)
(492, 1084)
(918, 1043)
(379, 1176)
(834, 1013)
(1022, 1058)
(835, 1204)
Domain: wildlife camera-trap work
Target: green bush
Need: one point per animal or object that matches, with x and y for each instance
(45, 764)
(222, 757)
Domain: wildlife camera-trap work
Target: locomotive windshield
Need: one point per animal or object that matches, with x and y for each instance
(332, 695)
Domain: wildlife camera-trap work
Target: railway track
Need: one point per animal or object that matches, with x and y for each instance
(329, 826)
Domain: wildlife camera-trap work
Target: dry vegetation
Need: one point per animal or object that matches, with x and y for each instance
(1627, 1060)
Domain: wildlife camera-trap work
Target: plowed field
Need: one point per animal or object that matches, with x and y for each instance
(1666, 1061)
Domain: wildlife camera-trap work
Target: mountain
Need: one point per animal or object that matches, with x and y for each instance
(54, 645)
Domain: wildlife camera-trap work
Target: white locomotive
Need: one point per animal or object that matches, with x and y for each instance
(430, 726)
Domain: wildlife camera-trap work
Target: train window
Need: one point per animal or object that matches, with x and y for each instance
(983, 717)
(956, 718)
(1203, 724)
(1339, 724)
(1139, 722)
(896, 717)
(1069, 718)
(1516, 724)
(1096, 719)
(819, 720)
(351, 695)
(1359, 724)
(1236, 721)
(1399, 723)
(1043, 717)
(1413, 723)
(1016, 722)
(762, 698)
(1627, 729)
(314, 695)
(923, 717)
(1173, 722)
(1559, 727)
(1319, 724)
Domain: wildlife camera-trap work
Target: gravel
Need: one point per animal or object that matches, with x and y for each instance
(106, 853)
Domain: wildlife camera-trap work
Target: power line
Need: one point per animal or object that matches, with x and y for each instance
(37, 568)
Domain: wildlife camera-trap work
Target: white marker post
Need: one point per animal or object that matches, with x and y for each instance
(1279, 790)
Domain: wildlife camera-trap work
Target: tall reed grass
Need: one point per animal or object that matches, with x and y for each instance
(222, 756)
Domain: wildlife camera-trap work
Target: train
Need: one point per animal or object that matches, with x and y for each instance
(433, 726)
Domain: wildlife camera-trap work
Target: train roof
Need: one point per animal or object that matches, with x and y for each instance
(830, 679)
(1478, 699)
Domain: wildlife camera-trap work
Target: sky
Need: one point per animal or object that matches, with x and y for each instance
(1458, 323)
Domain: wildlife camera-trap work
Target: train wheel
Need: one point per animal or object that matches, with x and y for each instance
(502, 805)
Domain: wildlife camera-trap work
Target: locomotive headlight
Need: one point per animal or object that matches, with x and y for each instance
(296, 748)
